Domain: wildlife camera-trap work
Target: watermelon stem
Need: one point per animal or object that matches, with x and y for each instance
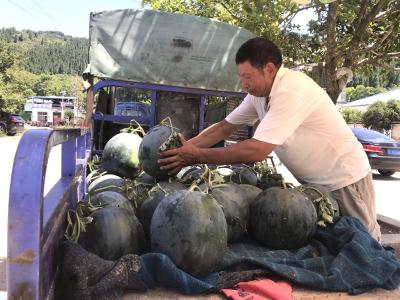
(325, 209)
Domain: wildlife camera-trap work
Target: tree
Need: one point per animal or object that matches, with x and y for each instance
(68, 115)
(346, 37)
(380, 115)
(7, 58)
(361, 91)
(352, 115)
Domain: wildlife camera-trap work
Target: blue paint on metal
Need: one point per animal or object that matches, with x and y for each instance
(153, 107)
(167, 88)
(68, 158)
(123, 119)
(202, 111)
(25, 263)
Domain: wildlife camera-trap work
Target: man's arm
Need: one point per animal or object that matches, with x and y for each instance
(250, 150)
(214, 134)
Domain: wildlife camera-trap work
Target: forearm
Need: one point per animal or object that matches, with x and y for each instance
(213, 134)
(242, 152)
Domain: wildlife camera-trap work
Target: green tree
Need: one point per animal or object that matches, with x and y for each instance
(380, 115)
(68, 115)
(346, 36)
(16, 90)
(352, 115)
(360, 91)
(393, 107)
(7, 57)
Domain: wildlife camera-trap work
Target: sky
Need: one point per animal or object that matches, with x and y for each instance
(68, 16)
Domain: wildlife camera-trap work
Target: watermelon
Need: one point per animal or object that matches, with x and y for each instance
(112, 233)
(236, 209)
(283, 218)
(156, 194)
(191, 229)
(120, 155)
(158, 138)
(249, 192)
(111, 199)
(109, 182)
(244, 174)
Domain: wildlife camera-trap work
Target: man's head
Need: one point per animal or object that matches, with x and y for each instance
(257, 62)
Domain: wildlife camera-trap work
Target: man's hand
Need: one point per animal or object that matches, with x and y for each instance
(175, 159)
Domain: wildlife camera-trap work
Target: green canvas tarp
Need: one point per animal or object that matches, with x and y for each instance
(165, 48)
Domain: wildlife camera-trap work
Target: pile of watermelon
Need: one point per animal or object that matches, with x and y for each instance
(131, 206)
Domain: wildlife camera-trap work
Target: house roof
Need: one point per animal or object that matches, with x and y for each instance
(386, 96)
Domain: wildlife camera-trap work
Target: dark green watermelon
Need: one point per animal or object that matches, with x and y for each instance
(249, 192)
(107, 182)
(111, 199)
(236, 209)
(120, 155)
(190, 228)
(156, 194)
(151, 145)
(283, 218)
(113, 232)
(244, 174)
(191, 174)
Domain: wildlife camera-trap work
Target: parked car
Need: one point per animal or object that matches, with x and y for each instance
(383, 152)
(132, 109)
(11, 123)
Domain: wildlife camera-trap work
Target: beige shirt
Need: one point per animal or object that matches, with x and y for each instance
(312, 138)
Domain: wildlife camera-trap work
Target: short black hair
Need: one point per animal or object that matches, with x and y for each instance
(259, 51)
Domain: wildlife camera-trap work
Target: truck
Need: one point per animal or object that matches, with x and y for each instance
(144, 65)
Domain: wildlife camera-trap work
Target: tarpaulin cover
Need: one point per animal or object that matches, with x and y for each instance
(165, 48)
(342, 258)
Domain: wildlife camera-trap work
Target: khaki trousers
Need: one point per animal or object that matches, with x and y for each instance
(358, 200)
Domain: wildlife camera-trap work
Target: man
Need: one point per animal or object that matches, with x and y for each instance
(299, 122)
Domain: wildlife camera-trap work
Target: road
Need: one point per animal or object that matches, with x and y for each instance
(387, 191)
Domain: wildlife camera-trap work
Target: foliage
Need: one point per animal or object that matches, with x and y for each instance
(376, 77)
(345, 34)
(380, 115)
(360, 91)
(47, 51)
(7, 57)
(17, 84)
(351, 115)
(68, 114)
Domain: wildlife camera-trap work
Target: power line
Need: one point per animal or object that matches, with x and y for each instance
(25, 10)
(50, 17)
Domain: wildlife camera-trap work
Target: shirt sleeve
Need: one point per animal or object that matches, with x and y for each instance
(287, 111)
(245, 113)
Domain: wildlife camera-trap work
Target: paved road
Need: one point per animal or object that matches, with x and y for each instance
(387, 191)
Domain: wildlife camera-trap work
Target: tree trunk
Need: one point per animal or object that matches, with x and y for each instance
(332, 87)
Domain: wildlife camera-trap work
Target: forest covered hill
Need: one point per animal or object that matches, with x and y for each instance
(49, 52)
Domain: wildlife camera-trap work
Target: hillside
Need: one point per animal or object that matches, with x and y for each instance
(48, 52)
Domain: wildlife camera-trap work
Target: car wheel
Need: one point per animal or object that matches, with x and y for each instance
(386, 172)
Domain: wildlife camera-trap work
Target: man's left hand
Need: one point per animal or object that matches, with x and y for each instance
(175, 159)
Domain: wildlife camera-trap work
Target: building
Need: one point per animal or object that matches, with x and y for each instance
(49, 110)
(364, 103)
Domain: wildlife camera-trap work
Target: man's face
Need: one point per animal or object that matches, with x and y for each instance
(255, 81)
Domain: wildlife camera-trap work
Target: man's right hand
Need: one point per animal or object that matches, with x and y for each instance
(175, 159)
